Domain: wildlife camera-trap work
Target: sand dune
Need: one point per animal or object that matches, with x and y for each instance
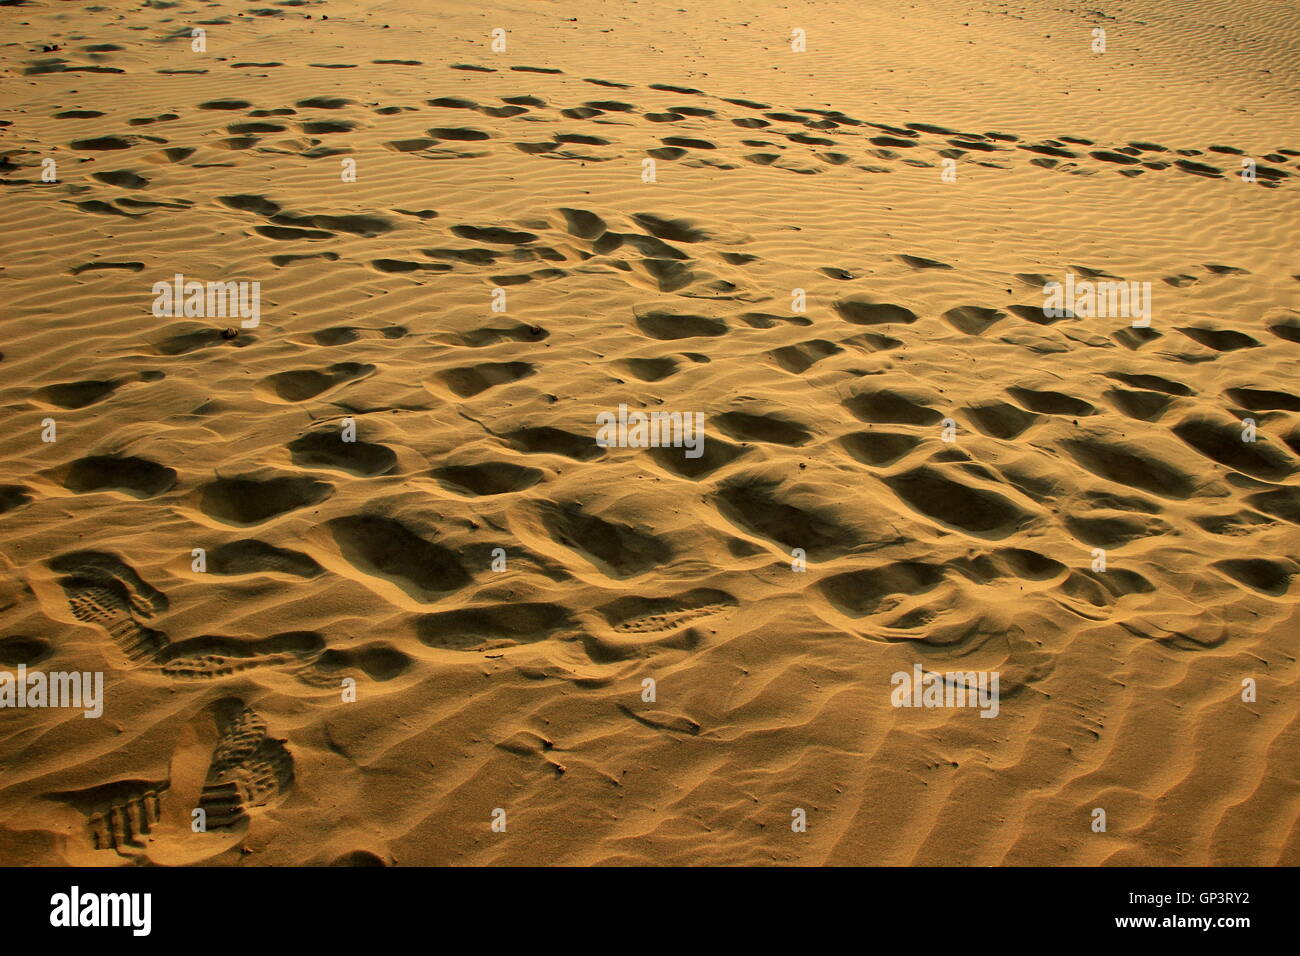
(837, 257)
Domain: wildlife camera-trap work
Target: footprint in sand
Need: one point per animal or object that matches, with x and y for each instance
(657, 616)
(225, 765)
(106, 593)
(213, 656)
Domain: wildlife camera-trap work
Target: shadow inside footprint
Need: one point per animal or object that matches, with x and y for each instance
(390, 550)
(137, 477)
(616, 549)
(249, 501)
(487, 478)
(329, 450)
(498, 625)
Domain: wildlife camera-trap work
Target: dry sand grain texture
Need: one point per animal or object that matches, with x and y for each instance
(522, 689)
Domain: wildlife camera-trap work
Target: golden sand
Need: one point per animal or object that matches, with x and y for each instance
(824, 228)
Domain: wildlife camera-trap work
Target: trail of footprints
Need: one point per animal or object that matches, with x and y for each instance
(320, 116)
(249, 769)
(647, 257)
(111, 599)
(105, 592)
(111, 596)
(809, 149)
